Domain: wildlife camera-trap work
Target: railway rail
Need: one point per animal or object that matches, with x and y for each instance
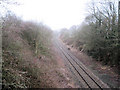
(83, 74)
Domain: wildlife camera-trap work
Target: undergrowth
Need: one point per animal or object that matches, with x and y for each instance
(21, 45)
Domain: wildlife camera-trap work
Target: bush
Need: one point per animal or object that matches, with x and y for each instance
(21, 42)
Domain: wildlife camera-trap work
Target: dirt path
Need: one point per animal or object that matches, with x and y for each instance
(54, 72)
(62, 76)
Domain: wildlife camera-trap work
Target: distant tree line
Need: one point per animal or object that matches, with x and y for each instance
(98, 36)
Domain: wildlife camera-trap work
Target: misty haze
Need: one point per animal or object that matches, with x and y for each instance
(60, 44)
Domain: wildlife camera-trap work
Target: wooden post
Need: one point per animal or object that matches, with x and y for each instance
(118, 23)
(118, 48)
(118, 39)
(119, 16)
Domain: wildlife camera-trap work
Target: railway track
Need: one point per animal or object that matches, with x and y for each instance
(83, 74)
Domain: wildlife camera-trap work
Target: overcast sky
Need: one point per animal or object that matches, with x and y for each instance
(56, 14)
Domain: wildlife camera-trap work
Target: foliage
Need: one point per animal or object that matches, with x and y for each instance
(20, 41)
(37, 35)
(98, 35)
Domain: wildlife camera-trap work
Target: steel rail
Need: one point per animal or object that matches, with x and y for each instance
(66, 54)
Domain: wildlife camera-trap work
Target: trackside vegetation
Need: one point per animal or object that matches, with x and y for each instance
(23, 44)
(98, 36)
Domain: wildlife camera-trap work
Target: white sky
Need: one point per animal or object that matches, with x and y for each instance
(56, 14)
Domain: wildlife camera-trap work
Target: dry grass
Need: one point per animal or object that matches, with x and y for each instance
(21, 66)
